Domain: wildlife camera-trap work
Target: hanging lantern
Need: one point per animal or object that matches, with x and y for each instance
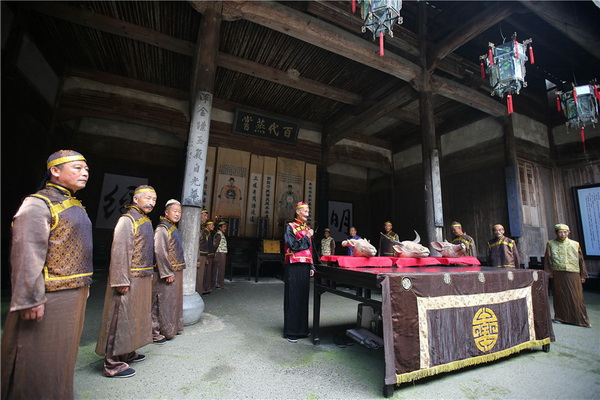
(580, 107)
(505, 67)
(380, 17)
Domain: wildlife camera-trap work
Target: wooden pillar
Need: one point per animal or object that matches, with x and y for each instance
(432, 195)
(203, 83)
(513, 192)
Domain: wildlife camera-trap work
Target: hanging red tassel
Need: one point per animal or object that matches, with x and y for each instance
(353, 6)
(531, 59)
(516, 44)
(558, 103)
(574, 96)
(596, 92)
(490, 56)
(582, 134)
(482, 70)
(509, 104)
(381, 44)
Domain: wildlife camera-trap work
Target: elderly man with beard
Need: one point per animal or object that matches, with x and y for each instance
(564, 262)
(126, 321)
(167, 288)
(51, 271)
(298, 268)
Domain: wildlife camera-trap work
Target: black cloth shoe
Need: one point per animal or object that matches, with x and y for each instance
(139, 358)
(129, 372)
(160, 341)
(292, 339)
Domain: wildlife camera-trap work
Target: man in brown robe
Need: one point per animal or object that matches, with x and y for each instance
(167, 288)
(385, 245)
(51, 261)
(564, 262)
(461, 237)
(206, 257)
(126, 318)
(220, 246)
(502, 250)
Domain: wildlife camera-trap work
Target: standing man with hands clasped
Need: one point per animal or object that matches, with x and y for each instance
(298, 269)
(126, 320)
(51, 273)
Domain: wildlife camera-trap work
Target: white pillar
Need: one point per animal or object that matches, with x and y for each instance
(193, 188)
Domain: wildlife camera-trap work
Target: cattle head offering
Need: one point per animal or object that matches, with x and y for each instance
(450, 250)
(409, 248)
(362, 247)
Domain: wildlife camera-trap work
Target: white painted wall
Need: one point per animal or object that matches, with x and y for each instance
(348, 170)
(124, 130)
(471, 135)
(531, 130)
(562, 135)
(408, 157)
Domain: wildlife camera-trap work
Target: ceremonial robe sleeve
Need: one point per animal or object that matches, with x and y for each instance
(582, 267)
(516, 255)
(121, 253)
(217, 241)
(333, 247)
(296, 244)
(472, 249)
(30, 233)
(161, 252)
(548, 260)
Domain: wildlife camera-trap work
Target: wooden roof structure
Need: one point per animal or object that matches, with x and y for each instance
(310, 60)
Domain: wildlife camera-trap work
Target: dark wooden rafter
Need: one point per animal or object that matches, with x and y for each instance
(361, 121)
(120, 28)
(471, 28)
(578, 30)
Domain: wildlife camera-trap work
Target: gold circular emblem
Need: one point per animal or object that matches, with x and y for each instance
(485, 329)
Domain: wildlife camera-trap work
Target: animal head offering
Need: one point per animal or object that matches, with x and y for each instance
(408, 248)
(362, 247)
(450, 250)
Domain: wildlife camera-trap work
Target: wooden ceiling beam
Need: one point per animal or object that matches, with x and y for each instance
(280, 77)
(322, 34)
(115, 26)
(135, 32)
(566, 21)
(473, 27)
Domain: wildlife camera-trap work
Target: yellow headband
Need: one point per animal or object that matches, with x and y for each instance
(63, 160)
(497, 225)
(142, 190)
(301, 205)
(455, 225)
(563, 227)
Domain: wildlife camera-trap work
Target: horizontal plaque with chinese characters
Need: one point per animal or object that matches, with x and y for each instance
(264, 126)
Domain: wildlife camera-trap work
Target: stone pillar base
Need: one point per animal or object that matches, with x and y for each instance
(193, 307)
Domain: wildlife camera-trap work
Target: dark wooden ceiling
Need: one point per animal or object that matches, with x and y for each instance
(261, 67)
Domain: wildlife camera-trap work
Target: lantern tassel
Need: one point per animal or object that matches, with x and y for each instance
(509, 104)
(482, 70)
(490, 56)
(558, 103)
(381, 44)
(353, 6)
(574, 96)
(516, 44)
(531, 59)
(597, 92)
(582, 134)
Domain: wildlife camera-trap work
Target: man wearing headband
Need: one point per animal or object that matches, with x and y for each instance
(126, 319)
(298, 268)
(167, 282)
(461, 237)
(51, 271)
(385, 246)
(220, 246)
(564, 262)
(327, 243)
(206, 257)
(502, 251)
